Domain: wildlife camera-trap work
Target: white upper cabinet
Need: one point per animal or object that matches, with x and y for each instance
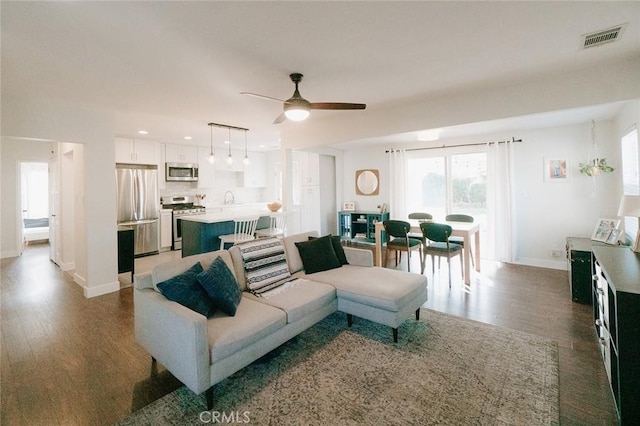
(137, 151)
(176, 153)
(206, 170)
(309, 164)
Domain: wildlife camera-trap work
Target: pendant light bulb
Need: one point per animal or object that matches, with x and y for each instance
(212, 155)
(246, 155)
(229, 158)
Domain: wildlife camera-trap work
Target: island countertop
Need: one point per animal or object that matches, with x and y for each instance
(224, 216)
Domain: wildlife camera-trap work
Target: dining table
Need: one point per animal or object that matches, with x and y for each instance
(466, 230)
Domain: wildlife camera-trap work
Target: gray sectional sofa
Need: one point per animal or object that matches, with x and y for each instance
(202, 351)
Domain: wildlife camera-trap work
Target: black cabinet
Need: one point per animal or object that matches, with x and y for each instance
(126, 243)
(580, 268)
(616, 312)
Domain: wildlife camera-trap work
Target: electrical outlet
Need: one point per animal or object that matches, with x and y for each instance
(557, 253)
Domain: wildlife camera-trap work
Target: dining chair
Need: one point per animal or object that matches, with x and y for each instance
(244, 230)
(460, 240)
(420, 217)
(397, 239)
(437, 235)
(277, 226)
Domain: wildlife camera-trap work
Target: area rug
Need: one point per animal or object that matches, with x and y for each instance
(443, 370)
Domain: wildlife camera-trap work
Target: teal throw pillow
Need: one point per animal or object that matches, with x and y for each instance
(187, 291)
(318, 255)
(221, 286)
(337, 247)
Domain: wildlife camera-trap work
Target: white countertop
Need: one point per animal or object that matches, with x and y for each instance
(223, 217)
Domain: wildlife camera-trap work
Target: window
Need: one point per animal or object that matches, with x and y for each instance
(630, 175)
(448, 184)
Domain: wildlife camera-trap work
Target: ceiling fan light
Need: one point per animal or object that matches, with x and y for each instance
(297, 114)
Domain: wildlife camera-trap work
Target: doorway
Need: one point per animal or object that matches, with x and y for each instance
(34, 201)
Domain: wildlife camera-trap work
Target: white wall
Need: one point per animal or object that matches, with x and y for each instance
(366, 158)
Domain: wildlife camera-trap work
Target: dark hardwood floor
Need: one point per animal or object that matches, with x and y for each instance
(70, 360)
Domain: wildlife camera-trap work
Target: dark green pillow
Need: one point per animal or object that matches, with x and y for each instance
(337, 247)
(187, 291)
(318, 255)
(221, 286)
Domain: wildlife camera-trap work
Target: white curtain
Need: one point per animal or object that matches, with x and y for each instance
(501, 207)
(398, 181)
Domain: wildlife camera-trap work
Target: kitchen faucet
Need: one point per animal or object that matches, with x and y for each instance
(233, 198)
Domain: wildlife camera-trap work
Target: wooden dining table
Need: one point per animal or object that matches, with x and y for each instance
(466, 230)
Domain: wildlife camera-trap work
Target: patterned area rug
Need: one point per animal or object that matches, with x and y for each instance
(444, 370)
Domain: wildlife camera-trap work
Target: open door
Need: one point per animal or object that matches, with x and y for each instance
(54, 209)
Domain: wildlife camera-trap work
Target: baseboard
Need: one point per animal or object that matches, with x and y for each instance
(90, 292)
(8, 254)
(542, 263)
(67, 266)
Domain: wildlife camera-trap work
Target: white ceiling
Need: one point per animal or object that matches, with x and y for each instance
(172, 67)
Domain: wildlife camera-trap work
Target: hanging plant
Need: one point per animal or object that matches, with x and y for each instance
(595, 166)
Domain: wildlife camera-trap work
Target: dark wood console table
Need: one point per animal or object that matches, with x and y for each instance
(616, 313)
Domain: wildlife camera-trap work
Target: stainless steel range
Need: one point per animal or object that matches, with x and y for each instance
(181, 206)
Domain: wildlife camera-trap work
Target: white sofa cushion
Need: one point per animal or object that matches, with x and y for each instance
(252, 322)
(383, 288)
(300, 300)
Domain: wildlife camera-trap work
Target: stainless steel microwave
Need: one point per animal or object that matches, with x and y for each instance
(181, 172)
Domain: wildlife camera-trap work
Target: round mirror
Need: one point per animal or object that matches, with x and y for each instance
(367, 182)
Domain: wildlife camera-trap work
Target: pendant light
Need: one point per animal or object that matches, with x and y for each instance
(246, 156)
(229, 158)
(212, 155)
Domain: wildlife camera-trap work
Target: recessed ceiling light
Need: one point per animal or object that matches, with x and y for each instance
(227, 142)
(143, 132)
(188, 138)
(429, 135)
(262, 145)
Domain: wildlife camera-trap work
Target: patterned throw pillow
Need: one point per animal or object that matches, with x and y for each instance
(187, 291)
(265, 263)
(318, 255)
(221, 286)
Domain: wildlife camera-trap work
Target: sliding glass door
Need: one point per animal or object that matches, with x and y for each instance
(448, 184)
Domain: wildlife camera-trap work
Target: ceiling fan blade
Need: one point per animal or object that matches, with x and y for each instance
(336, 105)
(262, 96)
(279, 119)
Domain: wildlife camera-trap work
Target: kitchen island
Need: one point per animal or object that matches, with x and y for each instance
(200, 233)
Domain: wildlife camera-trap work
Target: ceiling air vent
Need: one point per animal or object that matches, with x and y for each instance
(603, 36)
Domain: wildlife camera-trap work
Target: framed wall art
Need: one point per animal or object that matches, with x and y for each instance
(556, 169)
(349, 206)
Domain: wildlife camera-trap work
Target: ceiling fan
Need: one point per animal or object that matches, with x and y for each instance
(297, 108)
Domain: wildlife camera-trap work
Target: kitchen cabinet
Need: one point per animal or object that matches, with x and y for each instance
(310, 209)
(206, 170)
(221, 161)
(309, 166)
(136, 151)
(255, 174)
(177, 153)
(165, 229)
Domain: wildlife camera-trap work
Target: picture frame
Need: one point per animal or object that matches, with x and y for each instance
(556, 169)
(349, 206)
(613, 238)
(604, 228)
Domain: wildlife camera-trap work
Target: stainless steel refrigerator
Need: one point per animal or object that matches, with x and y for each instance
(137, 204)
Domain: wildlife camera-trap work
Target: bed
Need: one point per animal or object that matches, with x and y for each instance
(36, 229)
